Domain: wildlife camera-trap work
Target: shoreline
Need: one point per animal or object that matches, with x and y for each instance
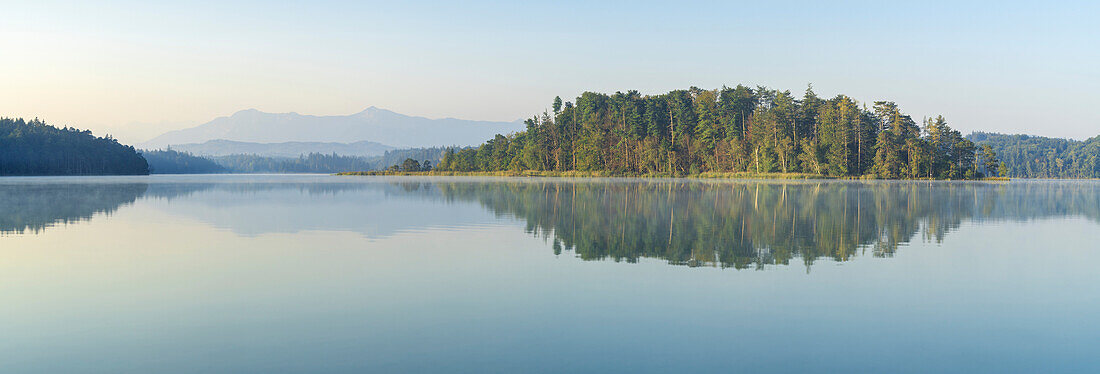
(598, 174)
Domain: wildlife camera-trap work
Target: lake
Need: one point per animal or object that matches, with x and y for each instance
(292, 273)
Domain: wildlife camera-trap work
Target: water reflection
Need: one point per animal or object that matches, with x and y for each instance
(33, 207)
(695, 223)
(743, 225)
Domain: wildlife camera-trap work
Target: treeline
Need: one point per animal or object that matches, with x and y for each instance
(170, 161)
(398, 157)
(1028, 156)
(35, 148)
(411, 165)
(738, 129)
(311, 163)
(332, 163)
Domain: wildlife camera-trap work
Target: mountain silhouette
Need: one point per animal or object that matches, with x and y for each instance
(373, 124)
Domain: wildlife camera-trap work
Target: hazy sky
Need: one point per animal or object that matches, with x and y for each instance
(136, 69)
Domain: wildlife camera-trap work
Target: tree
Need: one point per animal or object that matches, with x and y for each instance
(410, 165)
(990, 164)
(887, 164)
(448, 158)
(938, 135)
(706, 128)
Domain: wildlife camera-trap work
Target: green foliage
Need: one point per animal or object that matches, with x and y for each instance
(887, 163)
(410, 165)
(1024, 156)
(35, 148)
(741, 129)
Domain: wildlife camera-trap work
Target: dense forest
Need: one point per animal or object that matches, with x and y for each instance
(35, 148)
(737, 129)
(1028, 156)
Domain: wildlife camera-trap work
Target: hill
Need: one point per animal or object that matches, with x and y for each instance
(373, 124)
(1028, 156)
(35, 148)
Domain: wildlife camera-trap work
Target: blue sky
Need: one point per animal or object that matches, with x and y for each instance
(135, 69)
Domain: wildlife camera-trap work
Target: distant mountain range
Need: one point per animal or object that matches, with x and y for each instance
(373, 124)
(221, 147)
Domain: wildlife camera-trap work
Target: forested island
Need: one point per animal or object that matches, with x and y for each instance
(35, 148)
(730, 130)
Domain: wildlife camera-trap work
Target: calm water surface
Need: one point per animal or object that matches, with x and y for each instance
(369, 274)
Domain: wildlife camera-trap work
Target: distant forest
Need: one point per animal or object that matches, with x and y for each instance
(739, 129)
(170, 161)
(35, 148)
(399, 156)
(311, 163)
(1039, 157)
